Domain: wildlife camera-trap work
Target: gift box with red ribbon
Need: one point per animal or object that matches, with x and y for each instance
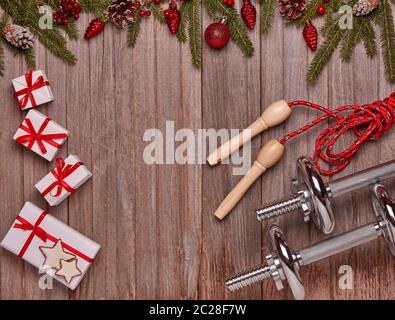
(32, 89)
(41, 135)
(64, 180)
(50, 245)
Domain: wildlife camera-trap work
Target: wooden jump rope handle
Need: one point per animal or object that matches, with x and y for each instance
(272, 116)
(269, 155)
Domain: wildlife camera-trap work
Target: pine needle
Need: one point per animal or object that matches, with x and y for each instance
(157, 11)
(194, 30)
(387, 39)
(98, 7)
(310, 13)
(133, 32)
(351, 38)
(72, 30)
(30, 58)
(369, 38)
(334, 36)
(184, 11)
(2, 64)
(268, 11)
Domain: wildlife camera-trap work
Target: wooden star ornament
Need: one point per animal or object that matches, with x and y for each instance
(68, 270)
(53, 255)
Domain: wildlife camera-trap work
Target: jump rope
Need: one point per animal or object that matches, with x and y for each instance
(368, 122)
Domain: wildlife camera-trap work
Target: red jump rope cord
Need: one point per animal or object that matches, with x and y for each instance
(368, 122)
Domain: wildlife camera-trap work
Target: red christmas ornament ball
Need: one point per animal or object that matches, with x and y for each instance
(229, 3)
(321, 10)
(141, 13)
(217, 35)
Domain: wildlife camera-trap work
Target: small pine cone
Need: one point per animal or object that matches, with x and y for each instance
(18, 36)
(122, 12)
(173, 18)
(292, 9)
(95, 27)
(364, 7)
(310, 35)
(248, 13)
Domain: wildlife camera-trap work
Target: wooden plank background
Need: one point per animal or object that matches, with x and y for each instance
(159, 237)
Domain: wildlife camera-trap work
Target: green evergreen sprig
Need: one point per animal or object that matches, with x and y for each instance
(387, 39)
(267, 13)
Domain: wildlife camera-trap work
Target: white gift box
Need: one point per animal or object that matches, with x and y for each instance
(41, 135)
(24, 239)
(63, 180)
(32, 89)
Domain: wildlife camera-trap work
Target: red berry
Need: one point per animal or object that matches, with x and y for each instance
(141, 13)
(321, 10)
(137, 4)
(148, 13)
(230, 3)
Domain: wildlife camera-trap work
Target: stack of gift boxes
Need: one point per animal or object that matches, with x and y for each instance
(36, 236)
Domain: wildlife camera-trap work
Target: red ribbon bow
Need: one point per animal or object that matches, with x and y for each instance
(27, 92)
(36, 230)
(38, 136)
(61, 172)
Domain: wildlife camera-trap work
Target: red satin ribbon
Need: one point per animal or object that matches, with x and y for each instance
(38, 136)
(60, 173)
(27, 92)
(36, 230)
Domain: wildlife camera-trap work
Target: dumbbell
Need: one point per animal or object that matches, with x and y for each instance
(313, 197)
(283, 264)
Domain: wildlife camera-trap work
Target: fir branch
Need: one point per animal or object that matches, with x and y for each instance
(13, 9)
(351, 38)
(2, 64)
(98, 7)
(30, 57)
(387, 39)
(369, 38)
(72, 30)
(157, 12)
(54, 42)
(268, 11)
(133, 32)
(234, 23)
(333, 37)
(310, 13)
(194, 31)
(184, 11)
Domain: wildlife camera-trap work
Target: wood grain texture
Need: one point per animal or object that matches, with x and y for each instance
(156, 224)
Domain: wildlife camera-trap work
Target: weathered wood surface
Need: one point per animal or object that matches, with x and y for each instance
(156, 224)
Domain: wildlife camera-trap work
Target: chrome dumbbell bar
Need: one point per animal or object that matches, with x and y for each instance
(313, 197)
(284, 264)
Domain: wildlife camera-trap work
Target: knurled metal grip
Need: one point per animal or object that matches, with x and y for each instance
(313, 197)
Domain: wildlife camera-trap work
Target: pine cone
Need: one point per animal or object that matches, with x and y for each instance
(18, 36)
(292, 9)
(248, 13)
(310, 35)
(364, 7)
(122, 12)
